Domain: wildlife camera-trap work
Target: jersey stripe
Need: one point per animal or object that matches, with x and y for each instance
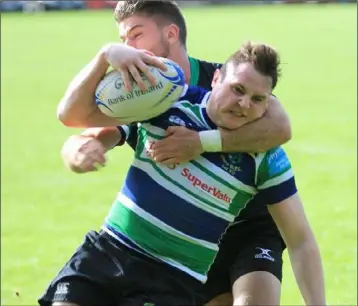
(152, 235)
(177, 189)
(222, 176)
(277, 180)
(172, 210)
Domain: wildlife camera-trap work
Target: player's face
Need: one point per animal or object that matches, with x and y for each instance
(239, 97)
(143, 32)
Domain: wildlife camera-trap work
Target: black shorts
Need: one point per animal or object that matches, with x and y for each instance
(104, 272)
(248, 246)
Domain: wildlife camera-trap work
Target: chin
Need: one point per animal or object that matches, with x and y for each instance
(233, 124)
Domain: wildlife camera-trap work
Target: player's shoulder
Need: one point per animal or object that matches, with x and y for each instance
(273, 162)
(203, 72)
(209, 65)
(194, 95)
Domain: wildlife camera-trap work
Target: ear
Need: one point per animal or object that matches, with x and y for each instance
(216, 78)
(172, 32)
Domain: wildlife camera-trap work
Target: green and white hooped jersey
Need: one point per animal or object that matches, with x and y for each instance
(178, 214)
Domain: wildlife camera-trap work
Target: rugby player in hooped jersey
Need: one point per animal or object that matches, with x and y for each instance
(162, 234)
(159, 27)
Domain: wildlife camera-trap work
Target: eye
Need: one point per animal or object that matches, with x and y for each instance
(257, 99)
(137, 35)
(238, 90)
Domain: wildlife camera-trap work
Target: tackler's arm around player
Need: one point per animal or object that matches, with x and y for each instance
(78, 108)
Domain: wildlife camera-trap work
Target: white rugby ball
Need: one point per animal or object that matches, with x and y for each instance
(136, 105)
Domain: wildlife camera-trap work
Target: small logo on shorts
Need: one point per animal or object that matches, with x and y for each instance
(264, 254)
(148, 304)
(62, 289)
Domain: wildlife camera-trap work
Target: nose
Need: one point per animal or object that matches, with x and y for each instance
(244, 102)
(130, 42)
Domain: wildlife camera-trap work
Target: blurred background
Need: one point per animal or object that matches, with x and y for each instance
(13, 5)
(46, 210)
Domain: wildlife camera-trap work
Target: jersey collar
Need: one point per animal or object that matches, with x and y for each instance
(204, 112)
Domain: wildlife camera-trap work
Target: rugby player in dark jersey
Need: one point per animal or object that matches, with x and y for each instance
(249, 262)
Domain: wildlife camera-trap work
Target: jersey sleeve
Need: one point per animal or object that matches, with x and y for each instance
(130, 135)
(275, 180)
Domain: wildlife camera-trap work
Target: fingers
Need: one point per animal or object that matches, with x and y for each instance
(162, 155)
(89, 164)
(132, 70)
(154, 61)
(126, 79)
(147, 52)
(170, 130)
(146, 71)
(136, 76)
(88, 160)
(170, 162)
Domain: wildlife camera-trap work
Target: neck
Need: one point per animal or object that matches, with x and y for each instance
(180, 56)
(210, 112)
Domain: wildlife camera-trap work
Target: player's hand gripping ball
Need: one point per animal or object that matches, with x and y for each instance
(136, 105)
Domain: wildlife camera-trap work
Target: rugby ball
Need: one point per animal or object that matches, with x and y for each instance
(136, 105)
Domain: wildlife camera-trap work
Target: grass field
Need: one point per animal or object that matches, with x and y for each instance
(46, 210)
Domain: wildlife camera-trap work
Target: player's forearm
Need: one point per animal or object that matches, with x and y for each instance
(307, 266)
(108, 136)
(78, 108)
(270, 131)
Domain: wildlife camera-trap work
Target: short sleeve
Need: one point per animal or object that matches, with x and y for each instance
(275, 180)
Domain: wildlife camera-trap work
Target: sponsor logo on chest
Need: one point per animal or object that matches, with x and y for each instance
(206, 187)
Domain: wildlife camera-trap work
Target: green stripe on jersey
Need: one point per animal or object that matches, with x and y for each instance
(172, 181)
(158, 242)
(239, 202)
(274, 164)
(195, 109)
(141, 146)
(194, 71)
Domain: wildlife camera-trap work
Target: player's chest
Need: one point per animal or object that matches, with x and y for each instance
(215, 179)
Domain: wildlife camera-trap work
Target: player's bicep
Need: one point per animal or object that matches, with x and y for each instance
(291, 220)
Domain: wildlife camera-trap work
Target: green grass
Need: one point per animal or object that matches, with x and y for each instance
(46, 210)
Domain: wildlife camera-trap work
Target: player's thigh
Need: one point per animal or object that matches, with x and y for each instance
(84, 279)
(257, 273)
(257, 288)
(224, 299)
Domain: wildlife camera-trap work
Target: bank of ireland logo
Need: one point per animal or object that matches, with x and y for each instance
(118, 83)
(231, 163)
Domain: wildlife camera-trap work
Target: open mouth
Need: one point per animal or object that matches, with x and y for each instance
(237, 114)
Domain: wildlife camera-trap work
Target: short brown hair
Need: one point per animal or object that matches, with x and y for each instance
(263, 57)
(167, 11)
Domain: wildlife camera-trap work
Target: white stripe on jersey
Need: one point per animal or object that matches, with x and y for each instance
(277, 180)
(160, 224)
(225, 176)
(153, 129)
(148, 168)
(189, 112)
(157, 257)
(185, 90)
